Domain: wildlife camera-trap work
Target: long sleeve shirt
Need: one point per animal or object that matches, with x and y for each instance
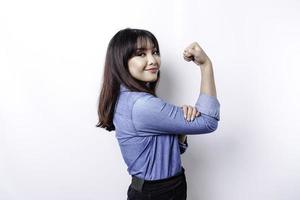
(147, 129)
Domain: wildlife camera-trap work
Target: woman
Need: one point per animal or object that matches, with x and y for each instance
(150, 131)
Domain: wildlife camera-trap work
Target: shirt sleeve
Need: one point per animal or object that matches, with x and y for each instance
(183, 146)
(153, 116)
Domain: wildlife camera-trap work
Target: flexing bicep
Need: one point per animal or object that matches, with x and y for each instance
(152, 115)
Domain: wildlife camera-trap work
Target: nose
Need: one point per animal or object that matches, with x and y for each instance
(151, 59)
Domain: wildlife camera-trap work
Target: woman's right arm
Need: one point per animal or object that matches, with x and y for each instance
(152, 115)
(196, 54)
(207, 80)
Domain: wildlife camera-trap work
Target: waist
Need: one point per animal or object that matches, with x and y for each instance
(148, 185)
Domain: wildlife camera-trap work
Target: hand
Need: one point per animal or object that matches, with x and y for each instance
(182, 138)
(195, 53)
(190, 112)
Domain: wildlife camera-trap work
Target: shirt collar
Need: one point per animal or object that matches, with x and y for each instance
(123, 88)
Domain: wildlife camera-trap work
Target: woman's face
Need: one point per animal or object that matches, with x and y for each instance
(145, 63)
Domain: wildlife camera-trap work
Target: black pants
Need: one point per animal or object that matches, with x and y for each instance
(172, 188)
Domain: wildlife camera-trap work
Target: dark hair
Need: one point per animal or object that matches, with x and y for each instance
(120, 49)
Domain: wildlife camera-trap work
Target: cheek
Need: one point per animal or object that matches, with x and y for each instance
(132, 70)
(158, 61)
(136, 65)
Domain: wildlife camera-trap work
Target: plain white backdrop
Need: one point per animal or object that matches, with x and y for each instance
(51, 65)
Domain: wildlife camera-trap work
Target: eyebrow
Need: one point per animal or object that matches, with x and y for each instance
(143, 49)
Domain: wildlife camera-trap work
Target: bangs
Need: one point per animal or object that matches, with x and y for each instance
(143, 42)
(135, 40)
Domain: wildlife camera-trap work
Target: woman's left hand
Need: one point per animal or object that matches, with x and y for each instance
(190, 112)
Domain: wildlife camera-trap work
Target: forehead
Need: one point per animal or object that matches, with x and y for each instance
(145, 43)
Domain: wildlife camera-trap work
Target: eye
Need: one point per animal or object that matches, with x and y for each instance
(156, 52)
(140, 54)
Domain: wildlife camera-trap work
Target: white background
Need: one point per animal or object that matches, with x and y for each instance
(51, 64)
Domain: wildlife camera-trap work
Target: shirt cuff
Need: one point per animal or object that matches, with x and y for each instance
(208, 105)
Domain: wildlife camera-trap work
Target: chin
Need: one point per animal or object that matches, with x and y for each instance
(152, 80)
(149, 79)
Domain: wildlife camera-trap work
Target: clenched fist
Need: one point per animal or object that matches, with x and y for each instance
(195, 53)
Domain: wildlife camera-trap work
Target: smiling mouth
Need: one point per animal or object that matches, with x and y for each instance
(154, 70)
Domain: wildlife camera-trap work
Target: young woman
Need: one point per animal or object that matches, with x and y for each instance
(150, 131)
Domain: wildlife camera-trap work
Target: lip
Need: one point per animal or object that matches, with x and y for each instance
(152, 69)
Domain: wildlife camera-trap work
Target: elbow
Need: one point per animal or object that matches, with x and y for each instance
(211, 125)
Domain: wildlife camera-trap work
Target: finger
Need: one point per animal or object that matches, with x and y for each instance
(191, 46)
(190, 54)
(194, 112)
(194, 45)
(189, 113)
(184, 108)
(188, 58)
(198, 114)
(187, 54)
(192, 51)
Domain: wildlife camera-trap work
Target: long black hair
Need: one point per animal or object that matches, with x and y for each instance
(120, 49)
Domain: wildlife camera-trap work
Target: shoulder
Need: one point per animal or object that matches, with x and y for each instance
(128, 99)
(144, 97)
(148, 102)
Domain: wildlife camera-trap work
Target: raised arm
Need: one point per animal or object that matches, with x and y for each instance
(207, 79)
(196, 54)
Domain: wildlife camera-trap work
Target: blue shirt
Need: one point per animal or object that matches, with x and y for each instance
(147, 129)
